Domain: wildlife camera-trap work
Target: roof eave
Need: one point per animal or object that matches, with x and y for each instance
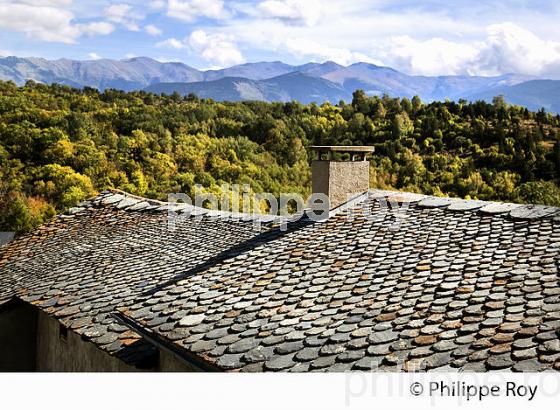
(188, 359)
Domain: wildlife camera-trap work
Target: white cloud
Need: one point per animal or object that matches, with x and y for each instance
(218, 49)
(293, 11)
(97, 28)
(156, 4)
(130, 55)
(303, 48)
(172, 43)
(506, 48)
(333, 29)
(510, 48)
(124, 15)
(152, 30)
(51, 3)
(94, 56)
(435, 56)
(47, 23)
(191, 10)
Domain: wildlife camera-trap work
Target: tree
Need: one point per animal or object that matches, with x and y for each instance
(62, 185)
(416, 103)
(407, 105)
(538, 192)
(402, 125)
(499, 102)
(360, 101)
(20, 214)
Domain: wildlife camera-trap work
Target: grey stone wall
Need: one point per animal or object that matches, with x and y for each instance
(168, 362)
(30, 340)
(71, 354)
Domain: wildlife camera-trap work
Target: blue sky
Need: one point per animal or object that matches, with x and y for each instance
(431, 37)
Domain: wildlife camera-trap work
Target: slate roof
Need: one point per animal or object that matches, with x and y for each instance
(441, 285)
(106, 252)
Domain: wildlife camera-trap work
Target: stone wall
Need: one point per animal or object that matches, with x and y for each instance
(71, 353)
(74, 354)
(168, 362)
(30, 340)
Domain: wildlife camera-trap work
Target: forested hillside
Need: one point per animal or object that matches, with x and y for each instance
(59, 145)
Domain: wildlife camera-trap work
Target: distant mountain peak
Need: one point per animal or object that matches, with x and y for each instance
(371, 66)
(149, 59)
(363, 64)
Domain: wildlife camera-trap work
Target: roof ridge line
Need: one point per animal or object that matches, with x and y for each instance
(527, 212)
(129, 202)
(125, 201)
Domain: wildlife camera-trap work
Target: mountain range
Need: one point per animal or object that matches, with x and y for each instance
(277, 81)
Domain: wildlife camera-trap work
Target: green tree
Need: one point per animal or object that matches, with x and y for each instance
(402, 125)
(538, 192)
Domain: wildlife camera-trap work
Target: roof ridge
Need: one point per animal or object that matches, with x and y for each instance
(515, 211)
(125, 201)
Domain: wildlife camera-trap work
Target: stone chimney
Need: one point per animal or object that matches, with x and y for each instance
(340, 180)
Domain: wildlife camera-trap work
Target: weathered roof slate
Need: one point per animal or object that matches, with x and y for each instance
(462, 289)
(438, 284)
(82, 265)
